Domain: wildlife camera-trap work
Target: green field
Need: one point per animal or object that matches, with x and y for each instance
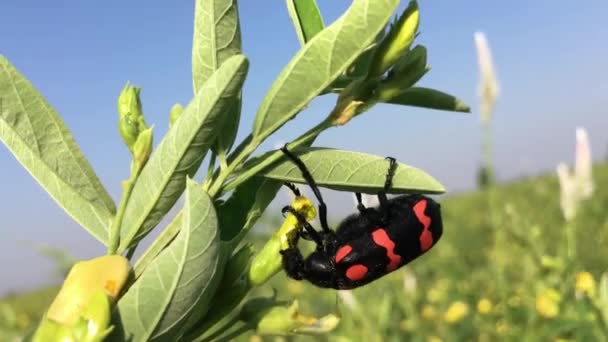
(503, 270)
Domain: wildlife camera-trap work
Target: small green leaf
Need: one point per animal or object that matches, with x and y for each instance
(352, 171)
(41, 142)
(181, 151)
(217, 37)
(430, 98)
(306, 18)
(246, 205)
(320, 62)
(180, 284)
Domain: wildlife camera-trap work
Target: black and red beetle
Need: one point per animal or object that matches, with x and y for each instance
(366, 245)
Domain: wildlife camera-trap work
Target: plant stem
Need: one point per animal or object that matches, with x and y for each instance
(310, 134)
(127, 190)
(210, 169)
(166, 236)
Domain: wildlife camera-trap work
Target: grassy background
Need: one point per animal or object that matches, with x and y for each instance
(505, 247)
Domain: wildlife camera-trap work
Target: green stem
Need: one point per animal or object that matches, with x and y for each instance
(224, 173)
(166, 236)
(210, 169)
(127, 190)
(570, 241)
(310, 134)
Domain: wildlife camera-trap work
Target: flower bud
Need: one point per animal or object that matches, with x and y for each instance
(108, 273)
(175, 113)
(143, 146)
(268, 261)
(130, 115)
(397, 42)
(272, 318)
(93, 325)
(412, 62)
(585, 284)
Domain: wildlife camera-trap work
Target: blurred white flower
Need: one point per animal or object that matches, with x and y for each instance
(488, 84)
(349, 299)
(577, 186)
(409, 282)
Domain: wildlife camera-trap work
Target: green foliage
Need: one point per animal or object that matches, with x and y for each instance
(190, 282)
(39, 139)
(306, 18)
(180, 152)
(175, 291)
(353, 172)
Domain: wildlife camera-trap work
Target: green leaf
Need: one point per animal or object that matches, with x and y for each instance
(180, 284)
(181, 152)
(320, 62)
(217, 37)
(430, 98)
(306, 18)
(246, 205)
(41, 142)
(352, 171)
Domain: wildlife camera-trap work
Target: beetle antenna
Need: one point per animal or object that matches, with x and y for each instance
(313, 185)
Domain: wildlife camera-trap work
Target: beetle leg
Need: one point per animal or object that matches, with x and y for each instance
(360, 205)
(314, 235)
(293, 263)
(388, 183)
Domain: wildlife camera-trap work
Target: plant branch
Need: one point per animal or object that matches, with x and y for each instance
(127, 190)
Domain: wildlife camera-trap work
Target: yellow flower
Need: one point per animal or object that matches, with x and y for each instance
(295, 288)
(456, 312)
(428, 312)
(434, 339)
(585, 284)
(547, 303)
(484, 306)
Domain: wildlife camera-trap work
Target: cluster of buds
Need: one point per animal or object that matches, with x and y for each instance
(132, 126)
(393, 69)
(578, 186)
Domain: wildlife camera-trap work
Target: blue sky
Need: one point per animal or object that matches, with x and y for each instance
(551, 60)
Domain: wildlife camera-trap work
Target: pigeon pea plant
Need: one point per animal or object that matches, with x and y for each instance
(190, 282)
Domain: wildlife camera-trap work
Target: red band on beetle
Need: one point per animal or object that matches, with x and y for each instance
(356, 272)
(342, 252)
(381, 238)
(426, 238)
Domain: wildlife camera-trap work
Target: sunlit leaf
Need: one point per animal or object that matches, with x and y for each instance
(320, 62)
(306, 18)
(179, 285)
(41, 142)
(181, 151)
(217, 37)
(352, 171)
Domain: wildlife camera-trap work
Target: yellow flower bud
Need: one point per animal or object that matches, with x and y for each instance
(176, 112)
(397, 42)
(143, 146)
(108, 273)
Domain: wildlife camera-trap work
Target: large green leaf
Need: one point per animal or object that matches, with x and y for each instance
(180, 284)
(41, 142)
(430, 98)
(181, 151)
(352, 171)
(306, 18)
(217, 37)
(320, 62)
